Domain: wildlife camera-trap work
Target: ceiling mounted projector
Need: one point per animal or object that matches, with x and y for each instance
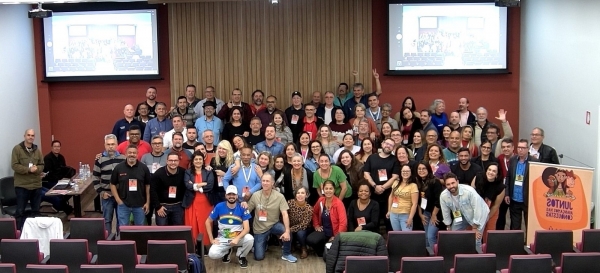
(39, 12)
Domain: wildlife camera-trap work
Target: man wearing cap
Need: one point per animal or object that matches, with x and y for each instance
(295, 114)
(236, 100)
(209, 95)
(266, 114)
(209, 121)
(234, 229)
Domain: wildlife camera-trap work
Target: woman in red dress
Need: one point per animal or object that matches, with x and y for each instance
(199, 183)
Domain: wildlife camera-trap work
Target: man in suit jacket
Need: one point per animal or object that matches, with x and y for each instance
(542, 152)
(517, 182)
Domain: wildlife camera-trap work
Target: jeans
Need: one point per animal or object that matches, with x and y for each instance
(123, 213)
(464, 225)
(109, 208)
(260, 241)
(174, 216)
(300, 235)
(23, 195)
(398, 221)
(430, 230)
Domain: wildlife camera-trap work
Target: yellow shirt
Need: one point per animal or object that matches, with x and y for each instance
(402, 196)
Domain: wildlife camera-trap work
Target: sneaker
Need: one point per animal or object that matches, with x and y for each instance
(227, 258)
(243, 262)
(290, 258)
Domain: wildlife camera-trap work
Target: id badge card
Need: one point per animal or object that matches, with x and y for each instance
(423, 203)
(30, 164)
(262, 215)
(395, 202)
(382, 173)
(295, 119)
(172, 192)
(246, 190)
(310, 135)
(457, 216)
(132, 184)
(220, 181)
(519, 181)
(361, 221)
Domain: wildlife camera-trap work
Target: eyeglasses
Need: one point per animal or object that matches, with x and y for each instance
(134, 134)
(405, 172)
(173, 160)
(431, 136)
(157, 143)
(536, 135)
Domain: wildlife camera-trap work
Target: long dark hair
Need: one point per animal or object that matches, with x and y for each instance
(481, 181)
(429, 179)
(353, 170)
(414, 105)
(310, 153)
(197, 154)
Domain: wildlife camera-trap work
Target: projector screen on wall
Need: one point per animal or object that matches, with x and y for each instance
(116, 44)
(446, 38)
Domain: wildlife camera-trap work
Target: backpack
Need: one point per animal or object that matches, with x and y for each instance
(196, 264)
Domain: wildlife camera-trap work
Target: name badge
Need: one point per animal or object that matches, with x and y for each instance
(220, 181)
(246, 190)
(262, 215)
(519, 183)
(382, 174)
(172, 191)
(132, 184)
(361, 221)
(395, 202)
(457, 216)
(30, 165)
(295, 119)
(423, 203)
(310, 135)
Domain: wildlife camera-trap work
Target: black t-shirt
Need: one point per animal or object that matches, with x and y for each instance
(376, 166)
(230, 131)
(466, 176)
(370, 214)
(491, 190)
(131, 182)
(484, 164)
(163, 185)
(252, 139)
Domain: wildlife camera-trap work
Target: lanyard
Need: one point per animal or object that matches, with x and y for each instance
(378, 113)
(456, 201)
(247, 177)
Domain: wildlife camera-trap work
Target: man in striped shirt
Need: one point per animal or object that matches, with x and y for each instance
(103, 168)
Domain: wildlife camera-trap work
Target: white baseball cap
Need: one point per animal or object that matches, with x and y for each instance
(231, 189)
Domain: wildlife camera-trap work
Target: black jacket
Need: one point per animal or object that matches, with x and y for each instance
(360, 243)
(510, 177)
(289, 190)
(547, 154)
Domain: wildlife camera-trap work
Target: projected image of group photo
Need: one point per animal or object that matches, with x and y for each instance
(447, 36)
(101, 44)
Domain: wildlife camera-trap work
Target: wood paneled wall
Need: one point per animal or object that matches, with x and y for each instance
(304, 45)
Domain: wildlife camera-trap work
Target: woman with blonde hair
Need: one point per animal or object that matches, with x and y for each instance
(468, 141)
(328, 141)
(219, 165)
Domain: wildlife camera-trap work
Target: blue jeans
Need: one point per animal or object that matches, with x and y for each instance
(174, 216)
(463, 226)
(430, 230)
(109, 208)
(398, 221)
(261, 240)
(124, 211)
(300, 235)
(23, 196)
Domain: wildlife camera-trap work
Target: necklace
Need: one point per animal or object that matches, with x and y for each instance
(297, 181)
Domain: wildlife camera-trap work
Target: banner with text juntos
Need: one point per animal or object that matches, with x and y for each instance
(559, 199)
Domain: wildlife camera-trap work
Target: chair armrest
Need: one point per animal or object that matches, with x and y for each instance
(143, 259)
(579, 246)
(451, 270)
(429, 251)
(45, 260)
(528, 251)
(67, 235)
(94, 259)
(111, 237)
(576, 250)
(558, 269)
(504, 271)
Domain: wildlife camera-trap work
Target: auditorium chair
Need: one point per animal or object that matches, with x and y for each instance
(21, 252)
(474, 263)
(101, 268)
(541, 263)
(156, 268)
(451, 243)
(8, 197)
(168, 252)
(422, 265)
(590, 241)
(553, 242)
(8, 229)
(405, 244)
(141, 235)
(43, 268)
(119, 252)
(579, 263)
(504, 243)
(371, 264)
(70, 252)
(8, 268)
(91, 229)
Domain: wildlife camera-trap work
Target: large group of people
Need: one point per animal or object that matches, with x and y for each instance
(247, 174)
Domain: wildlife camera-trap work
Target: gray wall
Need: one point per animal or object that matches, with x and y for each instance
(18, 84)
(560, 76)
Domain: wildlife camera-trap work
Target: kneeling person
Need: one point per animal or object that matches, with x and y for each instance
(234, 226)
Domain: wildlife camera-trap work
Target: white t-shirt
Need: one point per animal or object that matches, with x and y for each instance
(327, 116)
(168, 138)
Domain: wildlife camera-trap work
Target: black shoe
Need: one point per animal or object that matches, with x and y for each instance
(243, 262)
(227, 258)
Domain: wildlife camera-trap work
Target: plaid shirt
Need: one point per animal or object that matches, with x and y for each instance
(189, 116)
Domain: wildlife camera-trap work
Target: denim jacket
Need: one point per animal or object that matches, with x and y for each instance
(472, 207)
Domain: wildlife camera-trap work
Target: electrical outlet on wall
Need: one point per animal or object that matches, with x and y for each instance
(587, 117)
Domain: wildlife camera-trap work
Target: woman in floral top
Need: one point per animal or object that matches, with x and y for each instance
(300, 214)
